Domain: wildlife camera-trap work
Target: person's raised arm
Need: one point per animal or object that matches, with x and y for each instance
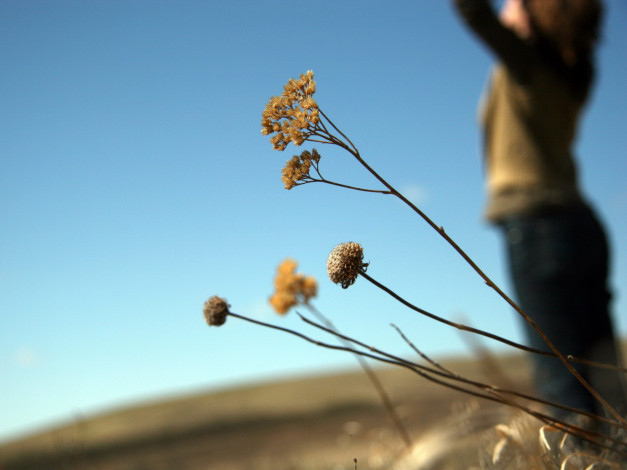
(504, 41)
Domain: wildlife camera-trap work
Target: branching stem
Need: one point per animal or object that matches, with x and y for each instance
(372, 376)
(352, 149)
(436, 376)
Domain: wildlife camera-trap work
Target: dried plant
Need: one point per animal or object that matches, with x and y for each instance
(215, 311)
(295, 117)
(345, 263)
(292, 290)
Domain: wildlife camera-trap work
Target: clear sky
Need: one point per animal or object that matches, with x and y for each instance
(135, 183)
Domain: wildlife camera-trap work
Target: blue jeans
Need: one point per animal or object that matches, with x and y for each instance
(558, 263)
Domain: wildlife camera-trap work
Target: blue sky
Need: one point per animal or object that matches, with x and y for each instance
(134, 184)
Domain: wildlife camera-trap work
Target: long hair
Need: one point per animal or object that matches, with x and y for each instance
(572, 27)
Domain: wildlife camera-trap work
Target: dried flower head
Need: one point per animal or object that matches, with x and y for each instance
(292, 116)
(291, 289)
(215, 311)
(297, 168)
(345, 263)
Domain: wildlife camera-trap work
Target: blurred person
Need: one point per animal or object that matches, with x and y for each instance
(557, 248)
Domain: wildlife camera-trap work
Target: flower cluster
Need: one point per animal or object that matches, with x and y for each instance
(215, 311)
(292, 116)
(297, 168)
(291, 289)
(345, 262)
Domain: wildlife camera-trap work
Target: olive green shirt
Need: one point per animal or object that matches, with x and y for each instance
(529, 131)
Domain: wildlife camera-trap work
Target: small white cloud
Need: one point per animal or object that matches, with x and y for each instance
(260, 308)
(26, 357)
(415, 193)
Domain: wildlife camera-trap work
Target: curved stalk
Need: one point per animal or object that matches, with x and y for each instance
(350, 147)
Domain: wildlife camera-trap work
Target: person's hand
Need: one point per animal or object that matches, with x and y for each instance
(514, 15)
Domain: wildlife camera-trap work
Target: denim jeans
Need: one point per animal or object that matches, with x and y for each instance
(558, 263)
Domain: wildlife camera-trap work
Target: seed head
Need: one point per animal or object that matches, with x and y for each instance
(293, 116)
(215, 311)
(296, 170)
(345, 262)
(290, 288)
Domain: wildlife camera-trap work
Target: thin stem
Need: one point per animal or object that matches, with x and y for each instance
(494, 393)
(320, 141)
(372, 376)
(459, 326)
(450, 375)
(316, 166)
(311, 179)
(490, 395)
(420, 353)
(333, 183)
(337, 129)
(509, 390)
(487, 281)
(353, 150)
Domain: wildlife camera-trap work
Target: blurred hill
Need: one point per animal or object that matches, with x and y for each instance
(307, 423)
